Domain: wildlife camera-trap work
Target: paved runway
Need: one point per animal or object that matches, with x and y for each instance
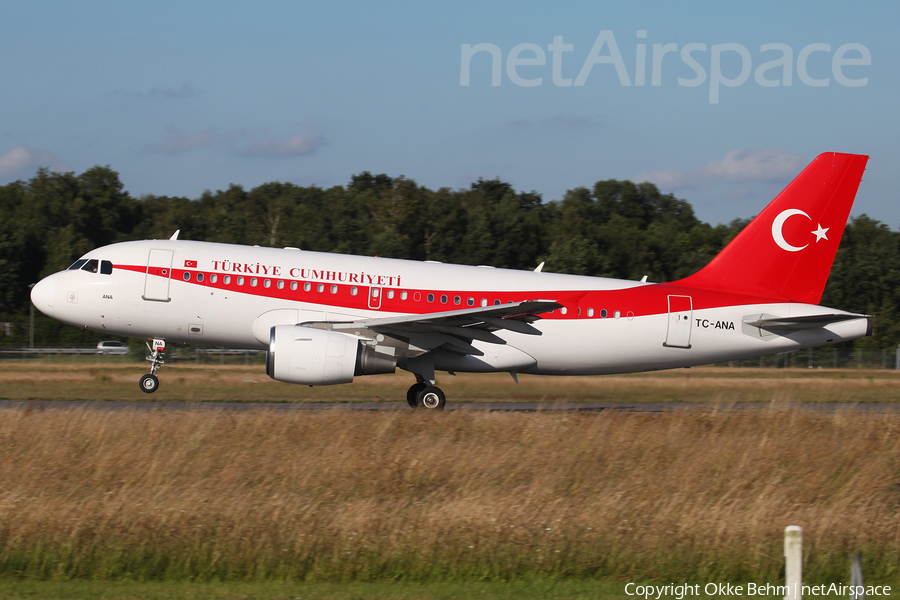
(637, 407)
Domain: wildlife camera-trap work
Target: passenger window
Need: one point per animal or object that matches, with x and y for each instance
(77, 264)
(457, 300)
(267, 283)
(403, 295)
(240, 281)
(354, 290)
(253, 281)
(617, 314)
(200, 277)
(591, 312)
(390, 294)
(186, 276)
(471, 301)
(443, 298)
(307, 286)
(293, 285)
(484, 301)
(320, 288)
(106, 267)
(213, 278)
(334, 289)
(496, 303)
(603, 313)
(280, 284)
(431, 297)
(563, 310)
(226, 279)
(91, 266)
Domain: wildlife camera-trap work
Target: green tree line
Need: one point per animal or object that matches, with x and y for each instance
(612, 229)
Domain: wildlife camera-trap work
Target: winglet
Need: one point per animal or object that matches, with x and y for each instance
(539, 268)
(175, 235)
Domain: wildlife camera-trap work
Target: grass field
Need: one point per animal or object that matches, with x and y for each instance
(521, 590)
(338, 496)
(36, 380)
(106, 590)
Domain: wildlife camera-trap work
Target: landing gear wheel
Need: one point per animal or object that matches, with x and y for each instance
(413, 393)
(149, 384)
(431, 397)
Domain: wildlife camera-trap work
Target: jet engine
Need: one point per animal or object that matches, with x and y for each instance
(310, 356)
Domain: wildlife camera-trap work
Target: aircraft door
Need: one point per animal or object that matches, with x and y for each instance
(159, 273)
(678, 334)
(374, 297)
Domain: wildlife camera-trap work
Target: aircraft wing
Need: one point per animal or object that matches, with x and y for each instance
(455, 330)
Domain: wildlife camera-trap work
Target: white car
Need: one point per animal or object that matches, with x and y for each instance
(112, 347)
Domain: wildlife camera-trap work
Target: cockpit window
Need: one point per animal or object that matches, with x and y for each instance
(106, 267)
(91, 266)
(77, 264)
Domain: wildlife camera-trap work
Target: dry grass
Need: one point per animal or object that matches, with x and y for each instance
(186, 382)
(337, 495)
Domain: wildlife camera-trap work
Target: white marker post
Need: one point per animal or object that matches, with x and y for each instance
(793, 562)
(857, 591)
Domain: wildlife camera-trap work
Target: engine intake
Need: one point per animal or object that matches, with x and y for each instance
(310, 356)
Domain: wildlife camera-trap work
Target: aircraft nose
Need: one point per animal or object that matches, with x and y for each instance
(42, 295)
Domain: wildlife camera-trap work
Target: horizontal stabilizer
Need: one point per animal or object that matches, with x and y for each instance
(798, 323)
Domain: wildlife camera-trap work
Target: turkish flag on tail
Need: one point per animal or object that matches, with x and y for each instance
(787, 250)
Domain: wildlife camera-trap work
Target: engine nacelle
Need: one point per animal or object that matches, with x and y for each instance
(310, 356)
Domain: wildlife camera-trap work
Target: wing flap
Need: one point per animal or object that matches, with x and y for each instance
(502, 316)
(455, 330)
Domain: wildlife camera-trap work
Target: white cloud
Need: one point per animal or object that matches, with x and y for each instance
(22, 162)
(175, 142)
(738, 166)
(565, 122)
(240, 142)
(301, 144)
(186, 90)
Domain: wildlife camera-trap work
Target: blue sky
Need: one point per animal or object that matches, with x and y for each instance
(180, 97)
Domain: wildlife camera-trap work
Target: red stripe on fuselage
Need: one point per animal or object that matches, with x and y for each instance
(640, 300)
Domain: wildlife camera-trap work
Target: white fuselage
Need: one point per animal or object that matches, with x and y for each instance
(606, 325)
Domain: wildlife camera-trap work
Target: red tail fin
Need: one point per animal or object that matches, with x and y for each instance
(788, 249)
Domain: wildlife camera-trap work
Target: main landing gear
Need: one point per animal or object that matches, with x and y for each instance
(150, 383)
(423, 395)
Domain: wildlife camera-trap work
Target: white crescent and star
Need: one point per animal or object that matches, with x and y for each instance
(778, 225)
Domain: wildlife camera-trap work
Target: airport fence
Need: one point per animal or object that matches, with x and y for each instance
(823, 358)
(814, 358)
(174, 355)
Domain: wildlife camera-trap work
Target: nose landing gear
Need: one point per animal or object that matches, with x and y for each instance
(150, 383)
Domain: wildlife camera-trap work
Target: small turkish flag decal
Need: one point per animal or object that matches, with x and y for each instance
(190, 264)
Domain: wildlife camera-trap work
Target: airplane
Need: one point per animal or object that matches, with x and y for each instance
(326, 318)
